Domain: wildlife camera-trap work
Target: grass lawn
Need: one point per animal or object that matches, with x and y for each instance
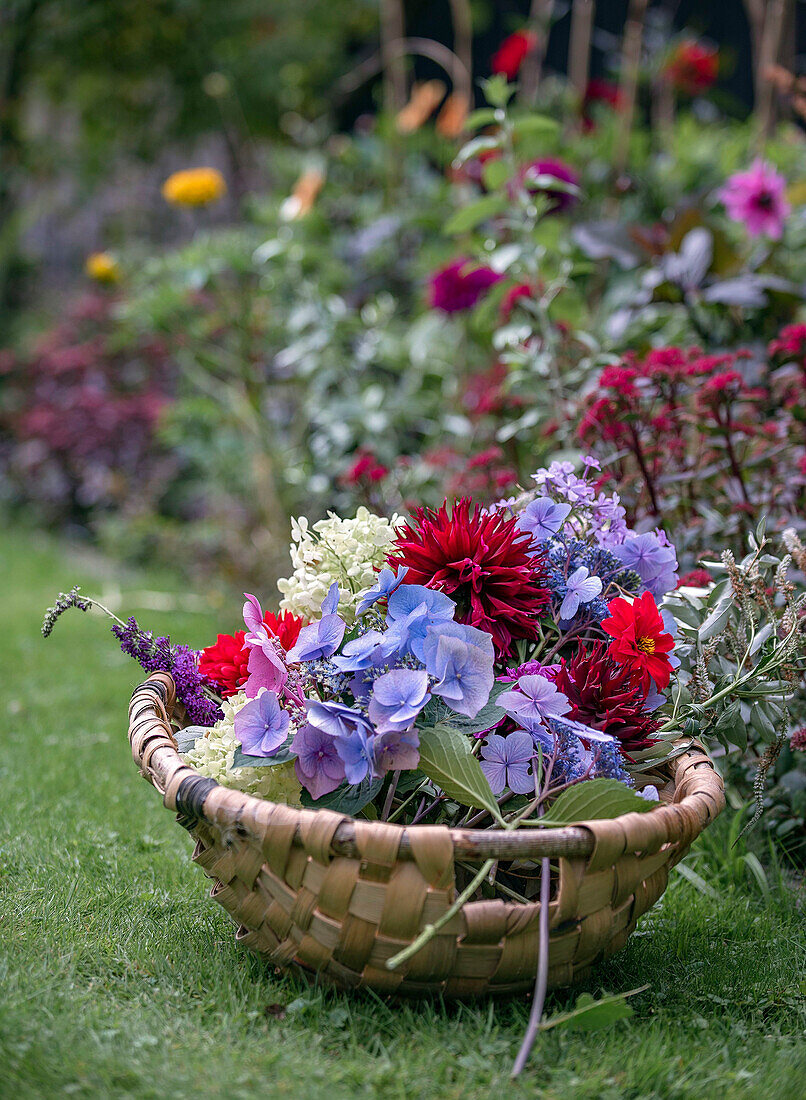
(118, 977)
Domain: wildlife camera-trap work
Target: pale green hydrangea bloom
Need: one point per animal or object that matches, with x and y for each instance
(212, 756)
(348, 551)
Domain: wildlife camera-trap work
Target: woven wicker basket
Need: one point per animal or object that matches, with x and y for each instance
(340, 896)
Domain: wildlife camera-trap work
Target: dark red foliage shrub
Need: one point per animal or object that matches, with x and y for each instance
(80, 412)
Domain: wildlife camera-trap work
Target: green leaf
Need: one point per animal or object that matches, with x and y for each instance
(345, 799)
(716, 622)
(590, 1014)
(186, 738)
(482, 117)
(535, 124)
(495, 173)
(282, 756)
(438, 713)
(592, 799)
(497, 90)
(471, 216)
(446, 759)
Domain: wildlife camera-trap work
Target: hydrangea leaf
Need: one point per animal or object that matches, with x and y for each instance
(595, 798)
(446, 759)
(346, 799)
(281, 756)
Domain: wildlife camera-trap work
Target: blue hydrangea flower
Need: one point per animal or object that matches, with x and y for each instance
(409, 596)
(397, 698)
(322, 638)
(505, 761)
(262, 725)
(384, 587)
(335, 719)
(360, 653)
(581, 588)
(536, 698)
(653, 558)
(461, 659)
(318, 765)
(395, 750)
(355, 752)
(543, 518)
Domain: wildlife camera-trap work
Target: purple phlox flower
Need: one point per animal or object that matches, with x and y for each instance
(395, 750)
(561, 480)
(384, 587)
(543, 518)
(531, 668)
(650, 793)
(461, 660)
(536, 698)
(581, 589)
(757, 198)
(652, 558)
(505, 761)
(262, 725)
(397, 698)
(318, 765)
(322, 638)
(608, 520)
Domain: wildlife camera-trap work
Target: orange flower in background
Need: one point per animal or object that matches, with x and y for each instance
(306, 191)
(425, 98)
(194, 187)
(451, 119)
(102, 267)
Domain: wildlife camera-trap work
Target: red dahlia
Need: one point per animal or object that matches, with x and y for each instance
(640, 640)
(482, 562)
(607, 696)
(224, 664)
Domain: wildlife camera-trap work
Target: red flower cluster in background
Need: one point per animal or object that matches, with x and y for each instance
(224, 664)
(365, 469)
(693, 67)
(481, 561)
(512, 53)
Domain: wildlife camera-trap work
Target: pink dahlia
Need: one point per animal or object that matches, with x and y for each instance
(560, 198)
(460, 285)
(481, 561)
(757, 198)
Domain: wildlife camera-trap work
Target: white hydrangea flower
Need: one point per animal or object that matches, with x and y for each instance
(213, 754)
(348, 551)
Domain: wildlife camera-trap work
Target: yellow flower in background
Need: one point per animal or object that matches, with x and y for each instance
(102, 267)
(194, 187)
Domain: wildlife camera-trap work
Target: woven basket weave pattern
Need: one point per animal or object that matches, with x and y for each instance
(342, 896)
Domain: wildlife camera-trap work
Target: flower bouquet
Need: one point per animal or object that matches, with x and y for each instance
(466, 687)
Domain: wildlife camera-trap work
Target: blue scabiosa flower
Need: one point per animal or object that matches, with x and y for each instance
(262, 725)
(505, 761)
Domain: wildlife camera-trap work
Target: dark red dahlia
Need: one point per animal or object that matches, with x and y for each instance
(697, 578)
(224, 663)
(607, 696)
(482, 562)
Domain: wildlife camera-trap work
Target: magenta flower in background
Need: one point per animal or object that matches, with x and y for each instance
(535, 178)
(757, 198)
(459, 286)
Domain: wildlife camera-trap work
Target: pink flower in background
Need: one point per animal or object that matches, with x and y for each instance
(537, 179)
(460, 286)
(757, 198)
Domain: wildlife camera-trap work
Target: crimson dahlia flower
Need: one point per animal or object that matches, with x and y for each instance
(224, 664)
(482, 562)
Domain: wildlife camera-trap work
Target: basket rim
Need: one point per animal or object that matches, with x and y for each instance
(698, 799)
